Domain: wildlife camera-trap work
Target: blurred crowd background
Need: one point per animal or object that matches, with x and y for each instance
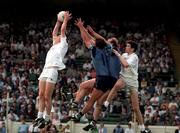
(26, 38)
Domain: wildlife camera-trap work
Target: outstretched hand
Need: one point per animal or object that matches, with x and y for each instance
(89, 28)
(79, 22)
(67, 15)
(116, 53)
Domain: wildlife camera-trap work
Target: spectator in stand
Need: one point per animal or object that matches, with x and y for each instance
(12, 116)
(87, 65)
(3, 127)
(67, 129)
(148, 115)
(33, 129)
(102, 129)
(129, 129)
(118, 129)
(155, 101)
(79, 51)
(23, 128)
(147, 130)
(143, 83)
(51, 128)
(151, 89)
(55, 119)
(61, 128)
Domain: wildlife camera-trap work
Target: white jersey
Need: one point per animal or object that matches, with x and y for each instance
(56, 54)
(129, 130)
(130, 74)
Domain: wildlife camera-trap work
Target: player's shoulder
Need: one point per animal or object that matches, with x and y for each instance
(125, 54)
(134, 55)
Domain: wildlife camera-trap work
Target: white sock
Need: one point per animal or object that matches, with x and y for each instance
(141, 127)
(106, 103)
(40, 114)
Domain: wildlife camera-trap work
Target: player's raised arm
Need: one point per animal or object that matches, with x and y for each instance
(87, 38)
(122, 60)
(56, 29)
(95, 34)
(67, 17)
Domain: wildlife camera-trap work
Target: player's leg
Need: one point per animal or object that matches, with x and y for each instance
(89, 104)
(98, 107)
(97, 112)
(95, 95)
(135, 106)
(85, 89)
(52, 75)
(48, 99)
(107, 84)
(119, 85)
(42, 86)
(39, 120)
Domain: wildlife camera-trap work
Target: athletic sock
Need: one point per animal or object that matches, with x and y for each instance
(106, 103)
(93, 123)
(141, 127)
(80, 114)
(40, 115)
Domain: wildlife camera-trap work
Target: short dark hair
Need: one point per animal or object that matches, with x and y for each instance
(100, 43)
(133, 44)
(114, 41)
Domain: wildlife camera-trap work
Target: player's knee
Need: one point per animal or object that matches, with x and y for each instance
(117, 87)
(81, 85)
(86, 85)
(90, 102)
(98, 105)
(47, 98)
(41, 95)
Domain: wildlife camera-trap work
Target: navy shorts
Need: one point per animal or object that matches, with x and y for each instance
(105, 83)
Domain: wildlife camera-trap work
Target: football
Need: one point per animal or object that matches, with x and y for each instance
(61, 16)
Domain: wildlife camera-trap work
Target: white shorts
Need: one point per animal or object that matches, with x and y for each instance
(130, 84)
(49, 75)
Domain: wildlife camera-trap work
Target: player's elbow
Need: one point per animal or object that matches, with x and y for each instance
(54, 34)
(87, 44)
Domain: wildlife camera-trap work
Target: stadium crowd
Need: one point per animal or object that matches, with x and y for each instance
(23, 47)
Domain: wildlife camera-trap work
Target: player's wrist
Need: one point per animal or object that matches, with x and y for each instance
(58, 21)
(119, 55)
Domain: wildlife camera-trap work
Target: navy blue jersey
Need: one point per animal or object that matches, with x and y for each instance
(113, 62)
(105, 62)
(99, 61)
